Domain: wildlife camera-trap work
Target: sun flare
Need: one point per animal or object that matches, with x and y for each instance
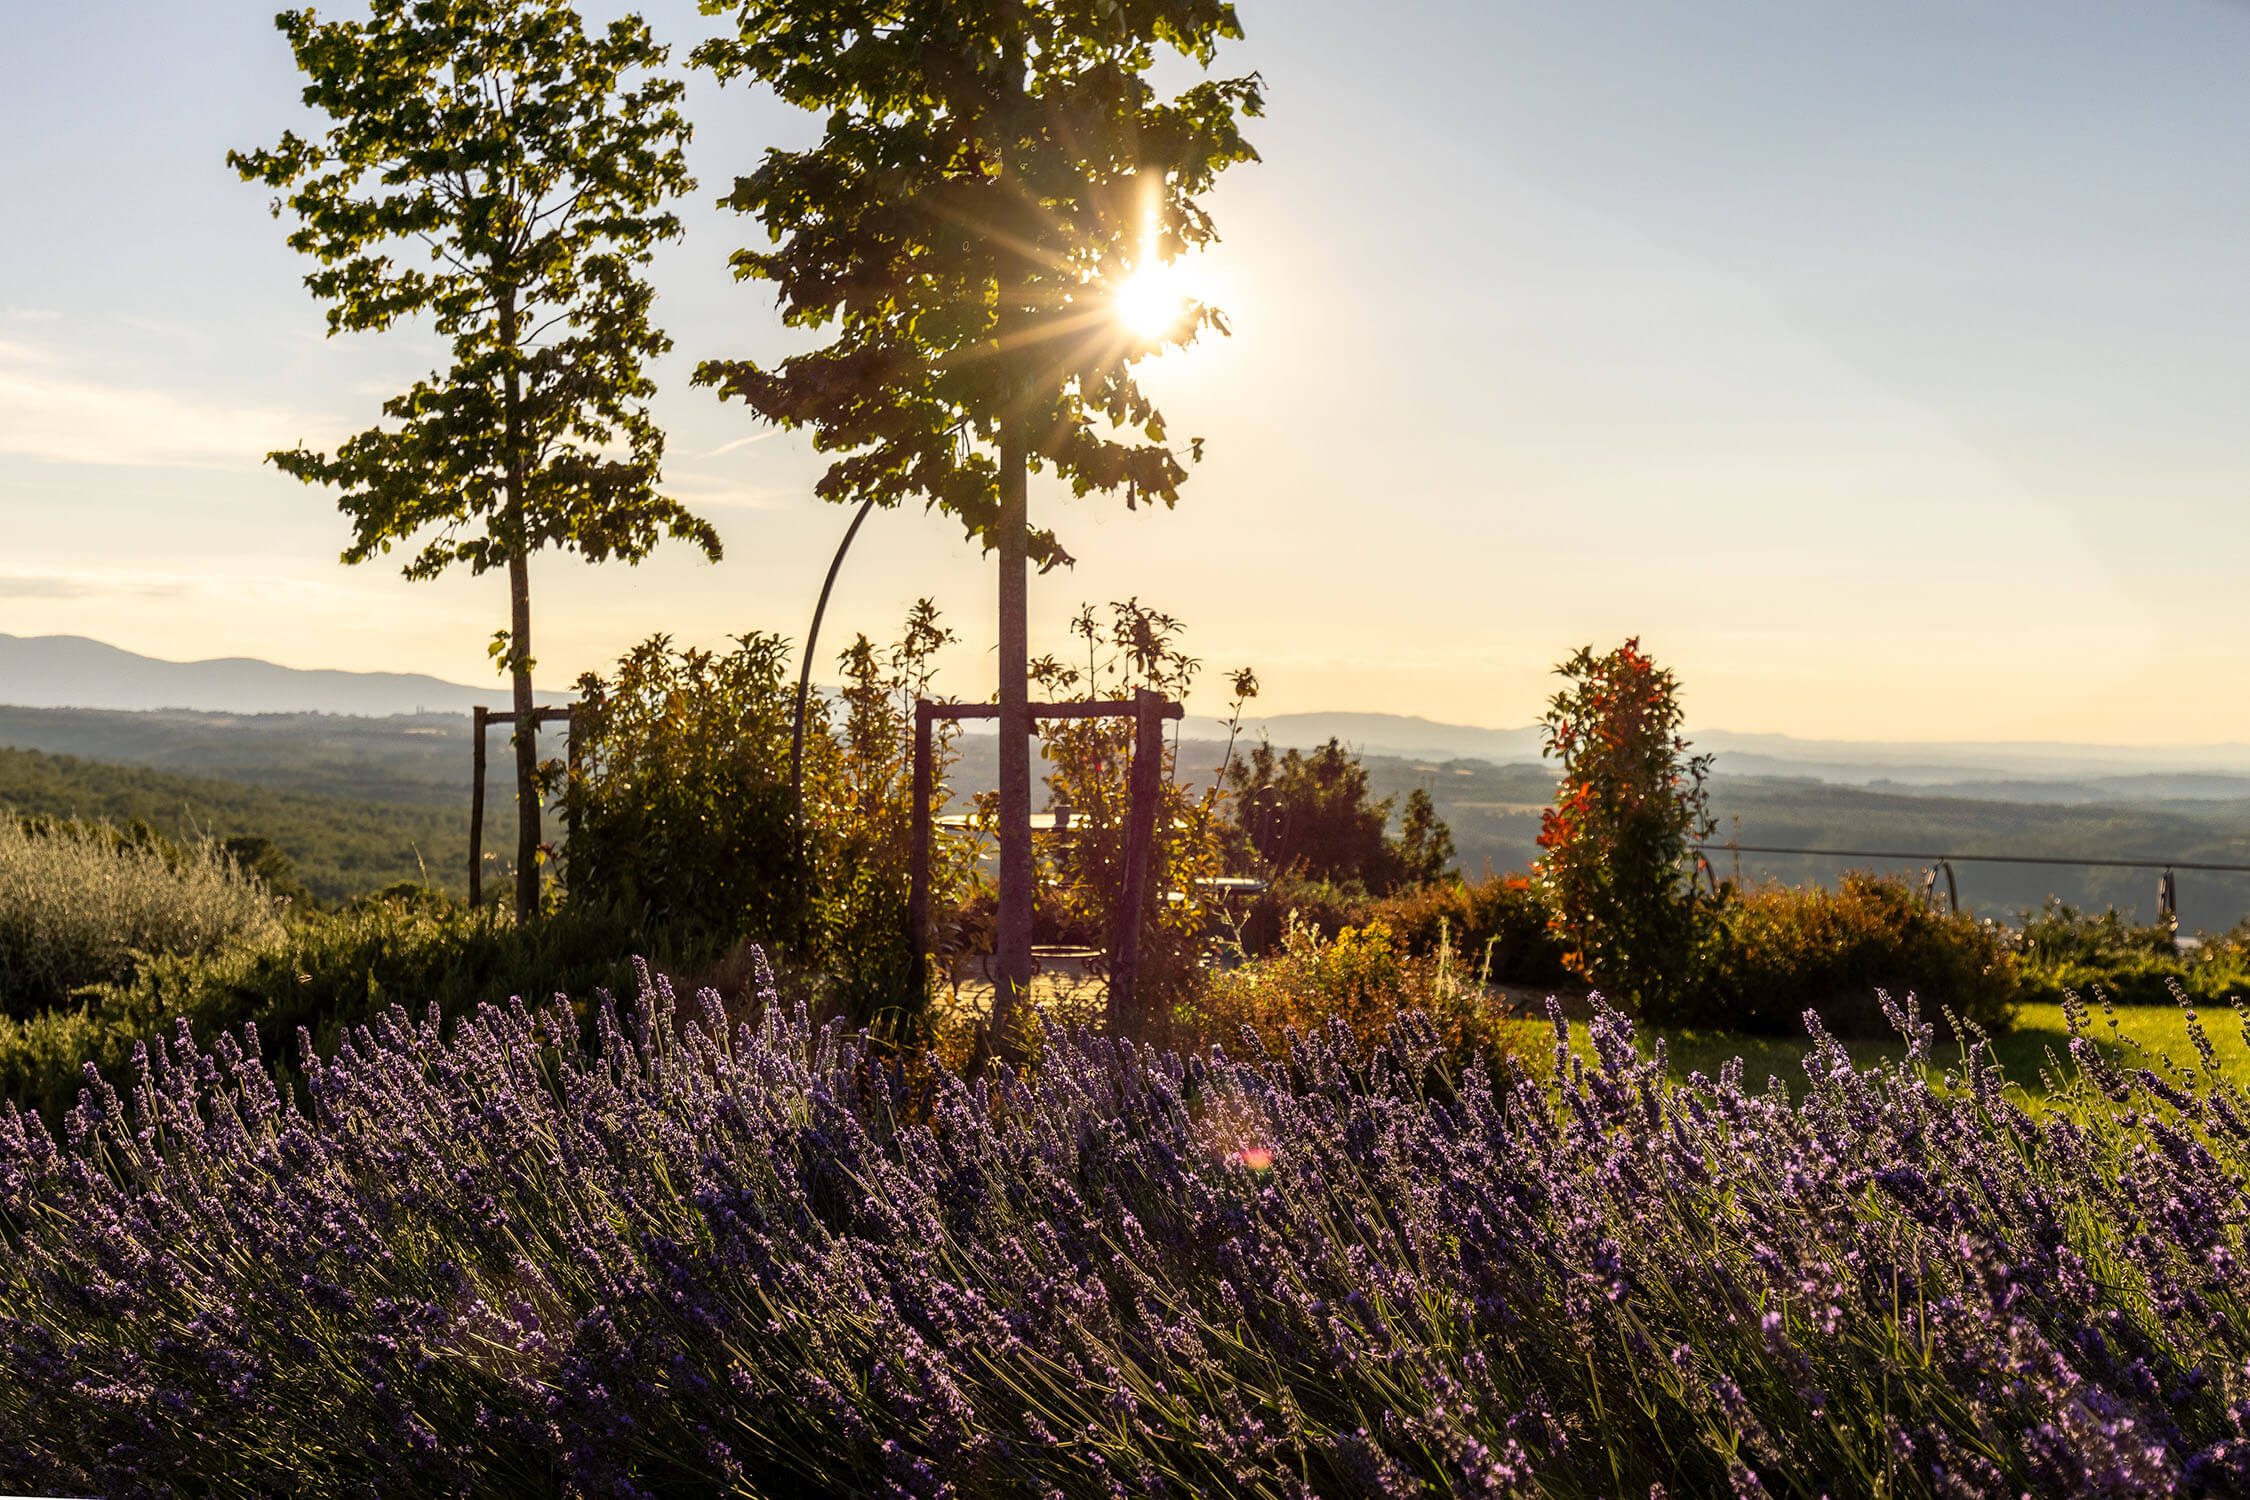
(1151, 303)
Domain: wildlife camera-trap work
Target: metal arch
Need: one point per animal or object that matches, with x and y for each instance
(804, 672)
(1930, 873)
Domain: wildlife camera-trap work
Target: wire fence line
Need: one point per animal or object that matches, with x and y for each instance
(1937, 864)
(1926, 857)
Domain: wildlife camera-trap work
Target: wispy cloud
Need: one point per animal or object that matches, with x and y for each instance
(31, 315)
(91, 584)
(716, 492)
(741, 442)
(60, 410)
(170, 328)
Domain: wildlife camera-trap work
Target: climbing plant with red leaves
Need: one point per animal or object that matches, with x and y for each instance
(1618, 844)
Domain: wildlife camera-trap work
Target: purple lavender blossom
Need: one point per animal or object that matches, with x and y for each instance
(673, 1258)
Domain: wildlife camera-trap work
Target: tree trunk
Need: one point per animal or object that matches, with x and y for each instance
(527, 739)
(1012, 944)
(519, 630)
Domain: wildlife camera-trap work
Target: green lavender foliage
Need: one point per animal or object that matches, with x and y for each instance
(323, 972)
(85, 904)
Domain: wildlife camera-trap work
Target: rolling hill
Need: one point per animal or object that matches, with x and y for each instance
(71, 671)
(360, 802)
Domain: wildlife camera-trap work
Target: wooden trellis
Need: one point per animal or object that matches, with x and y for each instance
(1148, 711)
(483, 719)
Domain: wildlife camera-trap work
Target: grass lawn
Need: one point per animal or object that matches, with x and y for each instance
(2159, 1030)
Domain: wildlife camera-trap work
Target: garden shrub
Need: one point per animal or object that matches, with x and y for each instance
(683, 816)
(1784, 950)
(860, 817)
(1501, 926)
(84, 904)
(325, 972)
(1617, 848)
(688, 826)
(1323, 906)
(1311, 818)
(2219, 965)
(699, 1260)
(1362, 979)
(2062, 951)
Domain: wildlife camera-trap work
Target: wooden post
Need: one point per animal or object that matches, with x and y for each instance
(1011, 942)
(918, 862)
(572, 799)
(476, 816)
(1140, 838)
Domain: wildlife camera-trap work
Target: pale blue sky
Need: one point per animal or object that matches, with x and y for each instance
(1880, 365)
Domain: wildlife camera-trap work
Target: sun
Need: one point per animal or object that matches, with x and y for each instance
(1151, 304)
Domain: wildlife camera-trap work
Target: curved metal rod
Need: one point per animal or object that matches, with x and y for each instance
(804, 673)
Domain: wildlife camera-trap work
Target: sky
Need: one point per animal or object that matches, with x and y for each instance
(1881, 367)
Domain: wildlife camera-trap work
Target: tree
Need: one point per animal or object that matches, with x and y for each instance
(990, 176)
(1425, 845)
(529, 161)
(1620, 837)
(1312, 817)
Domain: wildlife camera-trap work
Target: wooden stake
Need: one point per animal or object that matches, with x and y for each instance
(476, 816)
(1140, 840)
(918, 890)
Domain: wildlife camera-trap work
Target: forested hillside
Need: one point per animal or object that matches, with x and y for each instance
(341, 846)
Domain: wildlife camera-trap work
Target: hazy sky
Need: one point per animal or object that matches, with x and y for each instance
(1883, 366)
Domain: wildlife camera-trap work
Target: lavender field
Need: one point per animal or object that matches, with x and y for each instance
(687, 1259)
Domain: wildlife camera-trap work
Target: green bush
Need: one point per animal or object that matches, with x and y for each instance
(687, 825)
(683, 817)
(1081, 877)
(1362, 977)
(324, 972)
(1322, 905)
(2219, 966)
(861, 814)
(1311, 817)
(1500, 925)
(2064, 951)
(84, 904)
(1784, 950)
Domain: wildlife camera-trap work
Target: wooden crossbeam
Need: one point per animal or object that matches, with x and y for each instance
(538, 715)
(1123, 709)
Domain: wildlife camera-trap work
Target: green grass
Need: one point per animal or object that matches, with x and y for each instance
(2143, 1035)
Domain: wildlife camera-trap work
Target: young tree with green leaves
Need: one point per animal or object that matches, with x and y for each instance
(493, 167)
(992, 176)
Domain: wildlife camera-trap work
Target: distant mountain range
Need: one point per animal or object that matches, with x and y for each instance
(2029, 771)
(71, 671)
(61, 671)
